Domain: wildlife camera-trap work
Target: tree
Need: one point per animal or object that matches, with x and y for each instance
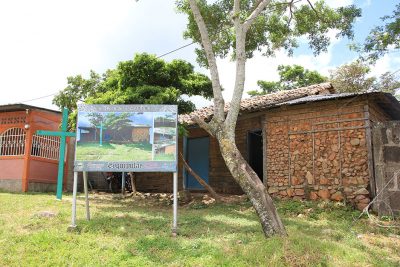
(384, 38)
(244, 26)
(78, 89)
(355, 78)
(115, 122)
(144, 80)
(291, 77)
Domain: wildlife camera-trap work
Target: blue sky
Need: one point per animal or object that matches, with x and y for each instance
(44, 41)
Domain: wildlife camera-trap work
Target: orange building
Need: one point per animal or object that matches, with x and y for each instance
(28, 162)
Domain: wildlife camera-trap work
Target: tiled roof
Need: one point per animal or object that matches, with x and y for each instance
(261, 102)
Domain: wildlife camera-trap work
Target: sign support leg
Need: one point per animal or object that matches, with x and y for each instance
(123, 184)
(75, 188)
(85, 185)
(175, 205)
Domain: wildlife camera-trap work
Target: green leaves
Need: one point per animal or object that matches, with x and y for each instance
(78, 88)
(290, 77)
(355, 77)
(144, 80)
(384, 38)
(277, 27)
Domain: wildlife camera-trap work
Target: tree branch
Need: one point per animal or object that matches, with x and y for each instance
(234, 106)
(260, 6)
(207, 45)
(200, 180)
(291, 12)
(240, 50)
(203, 125)
(315, 11)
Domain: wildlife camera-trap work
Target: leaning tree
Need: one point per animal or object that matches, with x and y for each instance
(238, 28)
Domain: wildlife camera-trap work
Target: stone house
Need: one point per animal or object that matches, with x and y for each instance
(141, 133)
(307, 143)
(28, 162)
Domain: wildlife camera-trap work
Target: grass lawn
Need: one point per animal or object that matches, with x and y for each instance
(113, 152)
(135, 232)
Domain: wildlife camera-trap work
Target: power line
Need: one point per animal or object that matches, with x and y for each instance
(177, 49)
(172, 51)
(37, 98)
(275, 7)
(163, 55)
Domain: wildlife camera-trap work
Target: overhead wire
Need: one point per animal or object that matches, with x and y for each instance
(189, 44)
(172, 51)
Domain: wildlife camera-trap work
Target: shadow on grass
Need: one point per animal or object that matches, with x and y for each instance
(333, 240)
(322, 236)
(150, 232)
(191, 222)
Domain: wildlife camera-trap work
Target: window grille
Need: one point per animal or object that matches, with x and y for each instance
(12, 142)
(47, 147)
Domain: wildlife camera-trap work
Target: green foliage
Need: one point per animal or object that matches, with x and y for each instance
(355, 77)
(116, 122)
(277, 27)
(290, 77)
(383, 38)
(78, 89)
(144, 80)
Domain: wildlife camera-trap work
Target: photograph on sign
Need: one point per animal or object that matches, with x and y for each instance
(126, 138)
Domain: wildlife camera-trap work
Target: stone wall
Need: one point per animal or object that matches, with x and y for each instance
(140, 134)
(319, 151)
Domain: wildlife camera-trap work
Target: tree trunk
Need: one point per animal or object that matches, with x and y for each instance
(253, 187)
(223, 128)
(200, 180)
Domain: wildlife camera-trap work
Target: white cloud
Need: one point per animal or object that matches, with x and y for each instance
(264, 68)
(45, 41)
(387, 63)
(367, 3)
(336, 3)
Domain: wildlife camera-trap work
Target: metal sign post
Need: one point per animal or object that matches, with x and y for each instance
(74, 189)
(74, 192)
(175, 205)
(85, 187)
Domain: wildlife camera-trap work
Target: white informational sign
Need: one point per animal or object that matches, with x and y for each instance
(122, 138)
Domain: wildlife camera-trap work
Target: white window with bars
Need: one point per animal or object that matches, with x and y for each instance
(12, 142)
(47, 147)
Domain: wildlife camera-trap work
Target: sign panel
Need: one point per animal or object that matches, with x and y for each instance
(119, 138)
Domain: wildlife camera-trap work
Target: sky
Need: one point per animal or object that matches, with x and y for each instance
(45, 41)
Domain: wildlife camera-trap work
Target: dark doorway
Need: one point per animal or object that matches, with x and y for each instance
(197, 158)
(255, 151)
